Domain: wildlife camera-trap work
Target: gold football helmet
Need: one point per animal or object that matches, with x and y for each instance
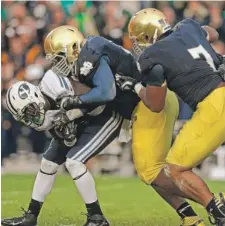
(62, 47)
(145, 27)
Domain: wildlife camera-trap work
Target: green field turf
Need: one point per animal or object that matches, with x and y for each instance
(124, 201)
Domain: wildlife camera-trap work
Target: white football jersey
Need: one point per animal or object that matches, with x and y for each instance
(55, 86)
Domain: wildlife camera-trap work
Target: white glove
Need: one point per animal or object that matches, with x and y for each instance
(125, 82)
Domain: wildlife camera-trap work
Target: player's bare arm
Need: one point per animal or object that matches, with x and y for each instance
(154, 94)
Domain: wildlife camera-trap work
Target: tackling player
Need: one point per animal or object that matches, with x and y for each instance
(183, 60)
(96, 62)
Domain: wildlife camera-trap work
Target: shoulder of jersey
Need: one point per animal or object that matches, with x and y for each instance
(185, 22)
(54, 86)
(95, 42)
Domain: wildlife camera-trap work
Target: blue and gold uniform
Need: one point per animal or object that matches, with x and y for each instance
(189, 66)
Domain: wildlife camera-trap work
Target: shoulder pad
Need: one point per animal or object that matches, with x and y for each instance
(55, 86)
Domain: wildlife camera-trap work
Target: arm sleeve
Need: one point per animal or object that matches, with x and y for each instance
(155, 76)
(104, 89)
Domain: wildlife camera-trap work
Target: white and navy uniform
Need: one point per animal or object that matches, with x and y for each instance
(94, 132)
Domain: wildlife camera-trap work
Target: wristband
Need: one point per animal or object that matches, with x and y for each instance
(138, 88)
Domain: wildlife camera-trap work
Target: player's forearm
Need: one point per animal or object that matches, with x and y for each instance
(99, 95)
(104, 89)
(141, 92)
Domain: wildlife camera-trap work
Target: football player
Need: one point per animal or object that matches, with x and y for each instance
(183, 60)
(96, 62)
(76, 139)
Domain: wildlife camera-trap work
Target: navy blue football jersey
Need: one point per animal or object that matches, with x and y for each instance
(121, 62)
(188, 60)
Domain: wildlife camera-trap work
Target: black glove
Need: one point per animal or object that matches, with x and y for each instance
(67, 133)
(68, 103)
(70, 131)
(61, 119)
(125, 82)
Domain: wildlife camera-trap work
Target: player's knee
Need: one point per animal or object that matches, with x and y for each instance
(76, 169)
(48, 167)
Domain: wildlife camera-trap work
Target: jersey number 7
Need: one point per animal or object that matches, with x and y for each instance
(199, 51)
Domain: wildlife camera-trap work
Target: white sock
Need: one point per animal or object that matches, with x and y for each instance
(42, 186)
(86, 188)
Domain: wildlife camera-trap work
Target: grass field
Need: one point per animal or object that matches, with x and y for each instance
(124, 201)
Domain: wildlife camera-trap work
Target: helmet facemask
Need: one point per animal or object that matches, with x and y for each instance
(32, 115)
(142, 41)
(60, 66)
(64, 62)
(136, 47)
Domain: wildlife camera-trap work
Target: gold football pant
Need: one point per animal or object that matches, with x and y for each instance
(152, 136)
(202, 134)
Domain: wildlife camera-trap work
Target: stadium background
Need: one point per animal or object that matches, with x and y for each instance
(24, 26)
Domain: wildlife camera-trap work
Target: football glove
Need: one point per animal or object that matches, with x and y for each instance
(61, 119)
(70, 131)
(68, 103)
(125, 82)
(67, 133)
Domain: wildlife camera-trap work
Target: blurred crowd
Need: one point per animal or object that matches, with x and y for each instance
(24, 25)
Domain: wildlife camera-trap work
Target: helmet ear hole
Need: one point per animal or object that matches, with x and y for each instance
(36, 94)
(146, 37)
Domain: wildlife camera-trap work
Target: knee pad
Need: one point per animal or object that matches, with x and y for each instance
(76, 169)
(48, 167)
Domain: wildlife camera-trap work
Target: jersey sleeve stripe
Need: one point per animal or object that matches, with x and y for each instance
(60, 80)
(65, 83)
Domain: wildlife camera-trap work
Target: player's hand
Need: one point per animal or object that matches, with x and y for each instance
(67, 133)
(125, 82)
(68, 103)
(61, 119)
(70, 131)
